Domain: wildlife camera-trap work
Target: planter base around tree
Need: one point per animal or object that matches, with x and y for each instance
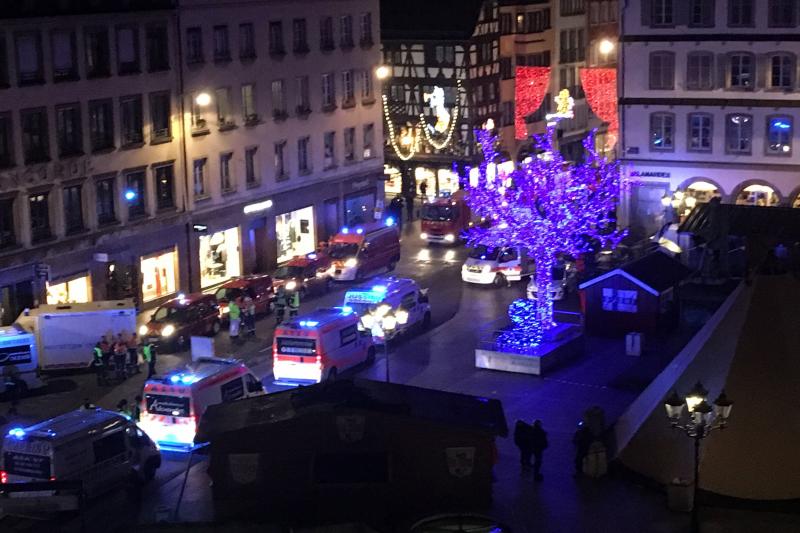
(562, 343)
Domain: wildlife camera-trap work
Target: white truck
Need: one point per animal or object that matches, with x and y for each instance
(18, 360)
(67, 333)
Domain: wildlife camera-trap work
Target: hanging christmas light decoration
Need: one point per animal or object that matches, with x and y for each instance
(600, 86)
(531, 86)
(393, 137)
(441, 112)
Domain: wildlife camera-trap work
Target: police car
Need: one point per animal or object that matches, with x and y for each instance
(390, 306)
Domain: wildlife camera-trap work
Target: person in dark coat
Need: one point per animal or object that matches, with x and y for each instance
(523, 438)
(538, 445)
(582, 441)
(396, 211)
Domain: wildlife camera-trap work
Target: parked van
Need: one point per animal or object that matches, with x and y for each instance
(496, 266)
(172, 405)
(98, 447)
(389, 307)
(320, 345)
(258, 286)
(357, 252)
(18, 360)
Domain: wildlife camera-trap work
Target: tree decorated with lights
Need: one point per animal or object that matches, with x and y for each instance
(549, 207)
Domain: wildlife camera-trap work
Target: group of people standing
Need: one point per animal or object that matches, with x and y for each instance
(286, 299)
(242, 315)
(120, 354)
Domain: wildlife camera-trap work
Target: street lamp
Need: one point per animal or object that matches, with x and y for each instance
(605, 47)
(702, 418)
(387, 325)
(382, 72)
(202, 99)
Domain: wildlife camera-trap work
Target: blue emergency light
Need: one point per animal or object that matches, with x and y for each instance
(345, 230)
(308, 323)
(347, 310)
(17, 433)
(184, 379)
(380, 289)
(390, 221)
(359, 230)
(312, 256)
(130, 195)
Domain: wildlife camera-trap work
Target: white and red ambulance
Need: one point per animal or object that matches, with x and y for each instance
(320, 345)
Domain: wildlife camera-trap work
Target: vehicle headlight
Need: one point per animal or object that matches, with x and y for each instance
(382, 310)
(291, 285)
(168, 330)
(388, 323)
(225, 310)
(423, 235)
(352, 262)
(450, 237)
(368, 321)
(142, 330)
(402, 316)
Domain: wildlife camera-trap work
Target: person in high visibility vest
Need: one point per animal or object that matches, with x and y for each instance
(149, 354)
(234, 319)
(294, 304)
(280, 305)
(99, 364)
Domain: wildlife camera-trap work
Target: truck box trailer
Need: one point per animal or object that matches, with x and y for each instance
(18, 360)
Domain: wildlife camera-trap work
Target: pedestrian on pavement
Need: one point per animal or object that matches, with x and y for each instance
(234, 320)
(582, 440)
(107, 346)
(523, 438)
(120, 354)
(137, 408)
(123, 408)
(395, 211)
(133, 354)
(294, 304)
(149, 355)
(99, 364)
(538, 445)
(409, 201)
(249, 312)
(423, 190)
(280, 305)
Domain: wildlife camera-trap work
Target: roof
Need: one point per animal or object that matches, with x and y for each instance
(188, 299)
(710, 220)
(383, 286)
(320, 317)
(238, 283)
(52, 8)
(73, 422)
(440, 407)
(202, 368)
(445, 20)
(655, 273)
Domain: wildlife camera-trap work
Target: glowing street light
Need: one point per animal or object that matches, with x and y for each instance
(606, 47)
(382, 72)
(202, 99)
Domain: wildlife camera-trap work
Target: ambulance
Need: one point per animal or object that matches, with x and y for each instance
(319, 346)
(172, 405)
(389, 307)
(360, 250)
(497, 266)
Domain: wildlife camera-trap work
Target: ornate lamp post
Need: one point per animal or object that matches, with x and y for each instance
(701, 419)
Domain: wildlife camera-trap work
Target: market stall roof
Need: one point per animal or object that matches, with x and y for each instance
(707, 220)
(440, 20)
(655, 273)
(447, 408)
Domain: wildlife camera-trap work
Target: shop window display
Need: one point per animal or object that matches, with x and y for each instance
(359, 208)
(75, 290)
(159, 275)
(295, 233)
(758, 195)
(219, 257)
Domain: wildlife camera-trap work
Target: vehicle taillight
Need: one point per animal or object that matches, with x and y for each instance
(319, 361)
(3, 477)
(52, 478)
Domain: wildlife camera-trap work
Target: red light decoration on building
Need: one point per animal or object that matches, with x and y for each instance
(600, 86)
(532, 83)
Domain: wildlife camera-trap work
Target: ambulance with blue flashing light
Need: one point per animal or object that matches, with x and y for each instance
(173, 405)
(496, 265)
(101, 448)
(18, 360)
(319, 346)
(362, 250)
(389, 307)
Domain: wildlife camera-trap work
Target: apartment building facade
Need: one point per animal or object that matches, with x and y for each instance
(147, 149)
(707, 105)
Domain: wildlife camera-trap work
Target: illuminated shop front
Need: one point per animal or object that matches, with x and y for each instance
(359, 208)
(445, 179)
(159, 274)
(75, 289)
(220, 257)
(294, 232)
(758, 195)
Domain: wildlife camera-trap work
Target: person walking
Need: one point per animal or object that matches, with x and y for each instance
(280, 305)
(133, 354)
(582, 441)
(538, 445)
(120, 353)
(107, 346)
(423, 190)
(149, 355)
(294, 304)
(523, 438)
(249, 312)
(409, 201)
(234, 320)
(137, 408)
(99, 364)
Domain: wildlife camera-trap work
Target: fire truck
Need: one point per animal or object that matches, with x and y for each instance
(445, 218)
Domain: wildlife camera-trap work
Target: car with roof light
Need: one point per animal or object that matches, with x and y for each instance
(173, 323)
(309, 274)
(389, 307)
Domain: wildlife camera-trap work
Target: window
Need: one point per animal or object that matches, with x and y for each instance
(136, 186)
(104, 201)
(249, 113)
(573, 7)
(572, 47)
(222, 51)
(68, 126)
(73, 209)
(328, 92)
(131, 120)
(700, 71)
(366, 86)
(224, 116)
(40, 216)
(157, 49)
(350, 144)
(35, 146)
(199, 177)
(6, 141)
(662, 70)
(701, 13)
(303, 103)
(326, 33)
(251, 174)
(506, 25)
(507, 114)
(226, 183)
(299, 36)
(347, 88)
(199, 123)
(662, 130)
(782, 13)
(330, 149)
(160, 116)
(520, 23)
(738, 134)
(247, 41)
(700, 130)
(29, 58)
(3, 62)
(165, 187)
(303, 163)
(740, 13)
(63, 49)
(101, 124)
(276, 38)
(280, 161)
(662, 13)
(127, 50)
(194, 45)
(278, 100)
(779, 135)
(742, 71)
(369, 141)
(366, 29)
(506, 70)
(97, 53)
(8, 235)
(346, 31)
(781, 71)
(445, 55)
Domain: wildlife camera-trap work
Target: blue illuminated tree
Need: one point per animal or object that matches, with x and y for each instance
(549, 207)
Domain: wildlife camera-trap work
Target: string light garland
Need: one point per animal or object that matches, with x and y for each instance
(531, 86)
(600, 86)
(451, 127)
(393, 136)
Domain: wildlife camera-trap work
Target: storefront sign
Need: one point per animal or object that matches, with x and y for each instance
(257, 207)
(200, 228)
(100, 258)
(363, 184)
(649, 174)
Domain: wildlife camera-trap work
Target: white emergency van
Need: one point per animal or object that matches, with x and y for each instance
(18, 360)
(98, 447)
(389, 307)
(172, 405)
(486, 265)
(320, 345)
